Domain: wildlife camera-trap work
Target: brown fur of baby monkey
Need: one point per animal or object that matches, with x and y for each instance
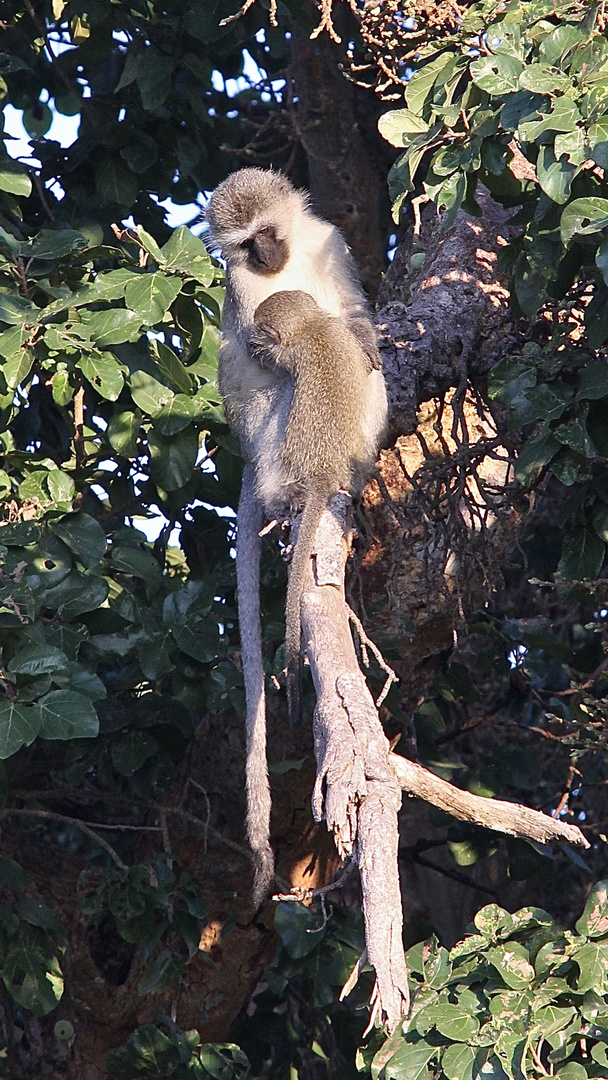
(326, 446)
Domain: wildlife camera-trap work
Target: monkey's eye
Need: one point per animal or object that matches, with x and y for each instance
(271, 331)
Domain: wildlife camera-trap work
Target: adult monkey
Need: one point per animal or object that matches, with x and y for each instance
(272, 241)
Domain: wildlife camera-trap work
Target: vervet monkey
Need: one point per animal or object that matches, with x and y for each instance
(327, 445)
(271, 241)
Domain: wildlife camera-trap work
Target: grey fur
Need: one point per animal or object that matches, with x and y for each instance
(257, 401)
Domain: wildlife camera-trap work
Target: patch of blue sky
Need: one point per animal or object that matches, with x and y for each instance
(252, 75)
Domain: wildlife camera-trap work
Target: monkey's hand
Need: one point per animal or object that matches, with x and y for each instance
(260, 348)
(365, 334)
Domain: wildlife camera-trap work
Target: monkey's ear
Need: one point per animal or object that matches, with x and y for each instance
(271, 331)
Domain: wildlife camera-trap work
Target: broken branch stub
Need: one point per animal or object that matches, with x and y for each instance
(496, 814)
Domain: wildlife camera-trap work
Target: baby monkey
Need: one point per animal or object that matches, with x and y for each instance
(327, 445)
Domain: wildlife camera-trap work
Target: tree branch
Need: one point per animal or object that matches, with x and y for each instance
(496, 814)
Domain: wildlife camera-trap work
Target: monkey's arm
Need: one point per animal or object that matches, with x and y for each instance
(365, 333)
(248, 547)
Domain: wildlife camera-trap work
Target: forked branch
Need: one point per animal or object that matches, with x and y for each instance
(359, 781)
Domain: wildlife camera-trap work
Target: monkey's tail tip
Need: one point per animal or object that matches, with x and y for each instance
(263, 875)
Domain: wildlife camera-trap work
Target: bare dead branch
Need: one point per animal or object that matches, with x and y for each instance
(496, 814)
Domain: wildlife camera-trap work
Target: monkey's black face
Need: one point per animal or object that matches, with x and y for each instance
(266, 252)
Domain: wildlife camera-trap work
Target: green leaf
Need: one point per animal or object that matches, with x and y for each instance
(411, 1060)
(134, 560)
(61, 487)
(76, 594)
(123, 433)
(299, 929)
(65, 714)
(572, 1071)
(183, 408)
(173, 459)
(115, 184)
(513, 962)
(497, 74)
(11, 873)
(544, 404)
(509, 378)
(582, 217)
(199, 638)
(551, 1019)
(582, 555)
(34, 983)
(455, 1021)
(397, 125)
(555, 177)
(574, 434)
(148, 393)
(542, 79)
(572, 144)
(150, 295)
(38, 914)
(36, 660)
(458, 1062)
(535, 453)
(149, 244)
(593, 922)
(187, 254)
(15, 180)
(111, 327)
(555, 46)
(601, 260)
(592, 960)
(564, 116)
(419, 88)
(593, 381)
(171, 367)
(165, 970)
(15, 310)
(63, 391)
(56, 243)
(596, 317)
(83, 535)
(104, 373)
(493, 920)
(37, 119)
(19, 726)
(530, 288)
(146, 1054)
(597, 138)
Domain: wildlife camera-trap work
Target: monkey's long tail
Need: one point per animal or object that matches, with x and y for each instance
(248, 546)
(316, 503)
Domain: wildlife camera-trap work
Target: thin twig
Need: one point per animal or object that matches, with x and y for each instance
(245, 8)
(79, 448)
(50, 815)
(42, 29)
(391, 676)
(300, 895)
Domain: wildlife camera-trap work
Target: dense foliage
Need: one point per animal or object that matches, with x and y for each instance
(517, 100)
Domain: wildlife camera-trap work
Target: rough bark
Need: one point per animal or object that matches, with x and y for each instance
(343, 177)
(440, 518)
